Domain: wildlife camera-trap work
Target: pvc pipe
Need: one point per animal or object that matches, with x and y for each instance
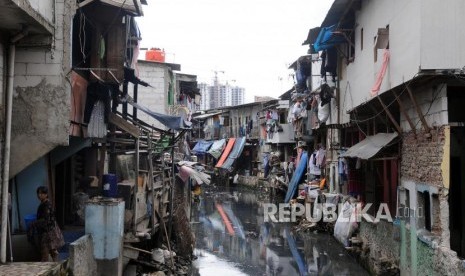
(6, 154)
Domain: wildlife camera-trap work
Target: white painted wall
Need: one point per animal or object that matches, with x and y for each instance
(156, 97)
(422, 34)
(44, 8)
(403, 18)
(433, 104)
(442, 34)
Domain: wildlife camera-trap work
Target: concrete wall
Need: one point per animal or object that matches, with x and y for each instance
(442, 34)
(432, 101)
(44, 8)
(156, 97)
(403, 18)
(380, 244)
(41, 103)
(81, 258)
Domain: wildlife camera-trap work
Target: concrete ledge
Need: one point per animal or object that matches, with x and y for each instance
(81, 257)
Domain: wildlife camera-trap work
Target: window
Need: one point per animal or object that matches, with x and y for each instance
(381, 41)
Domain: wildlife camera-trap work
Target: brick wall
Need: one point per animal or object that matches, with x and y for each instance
(422, 157)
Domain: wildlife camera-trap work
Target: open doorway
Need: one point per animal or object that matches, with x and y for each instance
(457, 192)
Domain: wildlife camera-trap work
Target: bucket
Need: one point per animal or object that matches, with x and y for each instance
(110, 185)
(28, 219)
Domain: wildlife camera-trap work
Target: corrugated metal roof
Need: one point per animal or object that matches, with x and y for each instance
(208, 115)
(370, 146)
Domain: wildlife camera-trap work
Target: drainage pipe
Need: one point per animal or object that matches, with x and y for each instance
(6, 153)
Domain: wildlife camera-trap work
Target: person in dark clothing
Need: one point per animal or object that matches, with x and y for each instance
(50, 238)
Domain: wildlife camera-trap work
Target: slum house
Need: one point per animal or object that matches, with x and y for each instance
(228, 134)
(396, 136)
(92, 70)
(34, 62)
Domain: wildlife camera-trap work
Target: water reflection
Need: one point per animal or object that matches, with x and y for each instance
(231, 233)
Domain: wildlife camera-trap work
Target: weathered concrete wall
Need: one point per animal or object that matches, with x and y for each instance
(44, 8)
(155, 97)
(432, 100)
(41, 103)
(422, 157)
(381, 244)
(81, 260)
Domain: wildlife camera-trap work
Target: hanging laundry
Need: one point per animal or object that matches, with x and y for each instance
(97, 127)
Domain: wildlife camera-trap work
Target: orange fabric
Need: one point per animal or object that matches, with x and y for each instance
(379, 78)
(226, 152)
(322, 183)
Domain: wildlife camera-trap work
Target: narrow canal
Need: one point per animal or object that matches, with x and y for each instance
(246, 245)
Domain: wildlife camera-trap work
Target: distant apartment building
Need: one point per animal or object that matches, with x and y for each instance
(220, 95)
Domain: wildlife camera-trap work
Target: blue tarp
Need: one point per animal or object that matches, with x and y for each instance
(299, 172)
(235, 153)
(171, 122)
(202, 146)
(327, 39)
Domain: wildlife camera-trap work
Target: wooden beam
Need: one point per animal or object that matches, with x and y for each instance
(402, 109)
(123, 124)
(420, 114)
(393, 121)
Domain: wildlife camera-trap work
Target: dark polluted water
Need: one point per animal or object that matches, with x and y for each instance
(233, 239)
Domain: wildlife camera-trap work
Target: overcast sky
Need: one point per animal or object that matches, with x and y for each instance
(252, 41)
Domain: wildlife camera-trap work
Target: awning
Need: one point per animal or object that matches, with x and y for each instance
(217, 148)
(202, 146)
(204, 116)
(327, 39)
(171, 122)
(370, 146)
(235, 153)
(226, 152)
(132, 7)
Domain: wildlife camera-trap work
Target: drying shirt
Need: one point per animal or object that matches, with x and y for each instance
(313, 168)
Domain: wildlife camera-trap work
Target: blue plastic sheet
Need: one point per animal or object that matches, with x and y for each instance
(202, 146)
(327, 39)
(299, 172)
(235, 153)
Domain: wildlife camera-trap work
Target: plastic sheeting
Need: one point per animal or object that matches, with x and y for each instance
(299, 172)
(226, 152)
(171, 122)
(235, 153)
(327, 39)
(202, 146)
(217, 148)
